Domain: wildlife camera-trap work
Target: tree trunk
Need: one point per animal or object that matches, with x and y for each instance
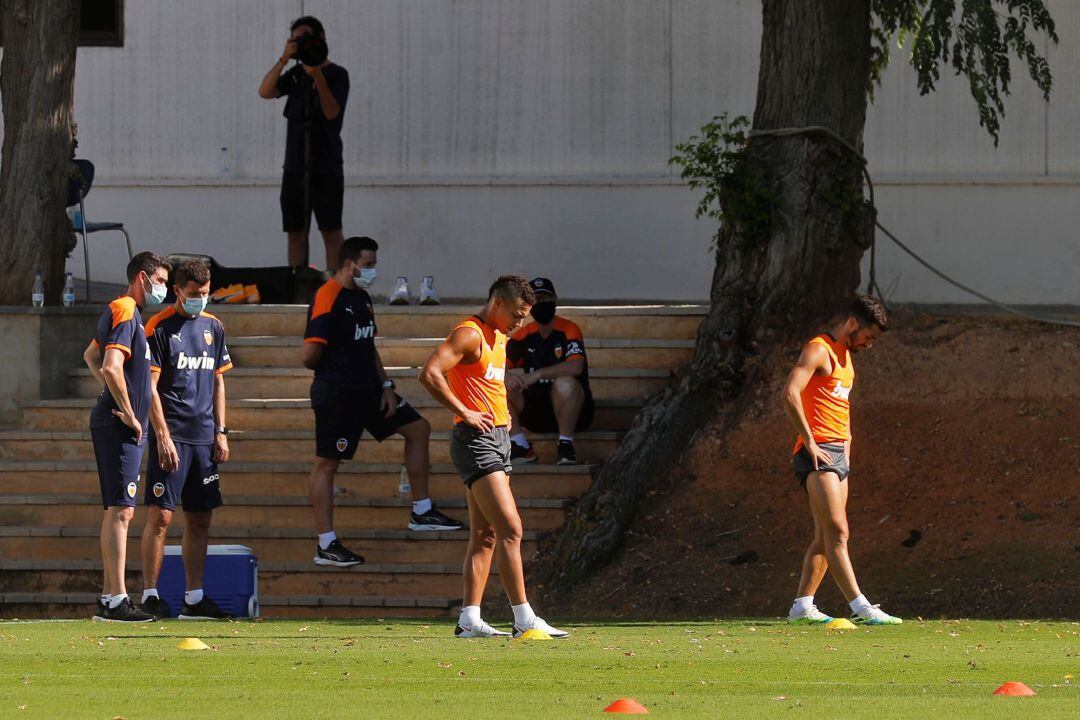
(815, 60)
(37, 79)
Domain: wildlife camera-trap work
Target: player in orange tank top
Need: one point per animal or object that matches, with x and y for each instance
(816, 399)
(466, 373)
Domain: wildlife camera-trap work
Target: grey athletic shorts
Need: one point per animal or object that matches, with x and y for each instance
(476, 454)
(802, 464)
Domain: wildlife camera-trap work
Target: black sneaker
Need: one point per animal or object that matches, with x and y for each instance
(566, 453)
(125, 612)
(156, 607)
(434, 520)
(99, 614)
(337, 555)
(205, 609)
(521, 455)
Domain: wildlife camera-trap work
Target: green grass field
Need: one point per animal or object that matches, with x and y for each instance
(410, 669)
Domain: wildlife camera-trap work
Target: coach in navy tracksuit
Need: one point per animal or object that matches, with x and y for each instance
(119, 358)
(188, 436)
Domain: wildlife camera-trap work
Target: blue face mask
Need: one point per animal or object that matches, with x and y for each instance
(366, 278)
(156, 294)
(195, 305)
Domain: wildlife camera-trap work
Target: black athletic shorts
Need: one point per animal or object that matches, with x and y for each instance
(339, 424)
(539, 413)
(119, 459)
(476, 454)
(327, 197)
(194, 485)
(802, 464)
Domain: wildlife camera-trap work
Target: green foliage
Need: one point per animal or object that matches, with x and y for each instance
(976, 40)
(737, 194)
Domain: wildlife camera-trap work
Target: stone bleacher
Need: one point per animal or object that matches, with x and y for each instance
(50, 510)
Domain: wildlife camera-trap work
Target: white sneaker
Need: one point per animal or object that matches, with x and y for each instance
(400, 294)
(427, 291)
(480, 630)
(874, 615)
(813, 616)
(539, 624)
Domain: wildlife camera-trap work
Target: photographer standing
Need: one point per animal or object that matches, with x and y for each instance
(313, 180)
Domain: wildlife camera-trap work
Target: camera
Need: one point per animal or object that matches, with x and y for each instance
(311, 50)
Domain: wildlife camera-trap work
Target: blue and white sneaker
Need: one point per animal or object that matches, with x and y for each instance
(813, 616)
(874, 615)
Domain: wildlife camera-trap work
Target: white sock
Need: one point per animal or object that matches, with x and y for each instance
(115, 600)
(567, 438)
(523, 614)
(149, 593)
(193, 597)
(520, 439)
(421, 506)
(326, 538)
(470, 616)
(859, 604)
(105, 598)
(802, 604)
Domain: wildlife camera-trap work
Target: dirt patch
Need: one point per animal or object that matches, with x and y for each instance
(965, 489)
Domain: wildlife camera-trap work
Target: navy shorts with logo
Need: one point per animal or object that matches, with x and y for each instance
(802, 464)
(119, 459)
(194, 485)
(339, 424)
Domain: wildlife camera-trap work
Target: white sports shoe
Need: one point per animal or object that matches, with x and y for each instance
(400, 294)
(538, 623)
(874, 615)
(479, 630)
(813, 616)
(428, 295)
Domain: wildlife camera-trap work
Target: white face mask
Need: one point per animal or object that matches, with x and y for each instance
(156, 294)
(366, 278)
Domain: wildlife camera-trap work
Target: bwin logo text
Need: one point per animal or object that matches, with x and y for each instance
(184, 362)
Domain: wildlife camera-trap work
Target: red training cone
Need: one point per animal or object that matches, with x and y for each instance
(627, 706)
(1015, 689)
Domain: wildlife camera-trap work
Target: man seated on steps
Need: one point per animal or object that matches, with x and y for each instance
(352, 393)
(553, 392)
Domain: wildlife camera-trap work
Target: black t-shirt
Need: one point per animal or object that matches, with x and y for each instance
(343, 321)
(326, 150)
(530, 350)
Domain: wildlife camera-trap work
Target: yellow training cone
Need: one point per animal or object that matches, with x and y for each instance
(534, 635)
(192, 644)
(840, 624)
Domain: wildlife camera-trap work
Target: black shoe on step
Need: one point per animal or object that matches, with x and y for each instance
(522, 455)
(433, 520)
(566, 453)
(205, 609)
(337, 555)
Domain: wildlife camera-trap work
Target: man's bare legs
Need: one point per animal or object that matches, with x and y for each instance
(114, 539)
(332, 240)
(321, 493)
(299, 251)
(495, 503)
(567, 399)
(828, 504)
(417, 435)
(153, 544)
(196, 539)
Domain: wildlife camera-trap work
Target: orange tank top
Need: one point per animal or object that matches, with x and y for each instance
(480, 385)
(825, 398)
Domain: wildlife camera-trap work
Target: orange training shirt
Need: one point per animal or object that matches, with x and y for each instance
(480, 385)
(825, 398)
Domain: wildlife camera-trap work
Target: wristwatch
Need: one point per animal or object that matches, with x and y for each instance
(221, 430)
(389, 385)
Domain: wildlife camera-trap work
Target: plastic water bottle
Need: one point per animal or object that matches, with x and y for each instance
(224, 163)
(69, 290)
(404, 488)
(37, 295)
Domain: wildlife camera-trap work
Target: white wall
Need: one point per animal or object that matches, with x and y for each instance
(533, 135)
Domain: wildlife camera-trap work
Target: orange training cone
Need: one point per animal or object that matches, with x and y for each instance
(1015, 689)
(627, 706)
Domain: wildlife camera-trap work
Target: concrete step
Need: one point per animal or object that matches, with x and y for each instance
(275, 578)
(282, 545)
(288, 445)
(280, 351)
(265, 478)
(80, 605)
(294, 414)
(296, 382)
(282, 511)
(641, 321)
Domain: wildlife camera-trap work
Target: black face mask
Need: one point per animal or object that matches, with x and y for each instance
(543, 312)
